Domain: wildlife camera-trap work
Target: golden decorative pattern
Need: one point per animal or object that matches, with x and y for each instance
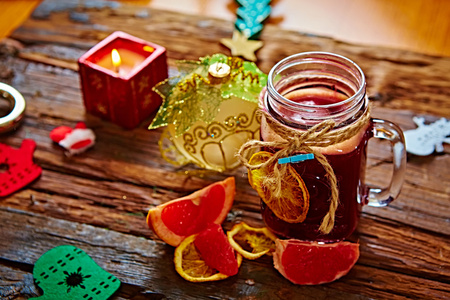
(198, 143)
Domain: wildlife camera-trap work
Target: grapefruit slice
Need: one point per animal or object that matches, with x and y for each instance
(177, 219)
(216, 251)
(311, 263)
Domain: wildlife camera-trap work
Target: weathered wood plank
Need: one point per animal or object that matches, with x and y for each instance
(16, 283)
(404, 248)
(148, 264)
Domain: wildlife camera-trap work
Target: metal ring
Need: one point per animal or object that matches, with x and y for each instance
(12, 120)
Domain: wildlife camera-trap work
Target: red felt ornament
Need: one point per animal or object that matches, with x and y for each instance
(75, 140)
(17, 168)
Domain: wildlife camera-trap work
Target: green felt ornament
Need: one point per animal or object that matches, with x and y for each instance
(67, 272)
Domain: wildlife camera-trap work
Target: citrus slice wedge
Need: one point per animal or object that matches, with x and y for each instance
(311, 263)
(293, 205)
(191, 266)
(256, 241)
(175, 220)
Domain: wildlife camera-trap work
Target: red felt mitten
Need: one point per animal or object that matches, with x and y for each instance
(17, 168)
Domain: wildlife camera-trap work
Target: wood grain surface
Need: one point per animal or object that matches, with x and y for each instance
(98, 201)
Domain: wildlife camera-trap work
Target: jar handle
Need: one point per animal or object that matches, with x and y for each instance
(386, 130)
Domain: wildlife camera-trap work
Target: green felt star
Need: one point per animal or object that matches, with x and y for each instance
(240, 45)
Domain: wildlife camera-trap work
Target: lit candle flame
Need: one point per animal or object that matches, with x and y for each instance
(115, 57)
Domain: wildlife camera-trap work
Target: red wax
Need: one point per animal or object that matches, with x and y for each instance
(349, 168)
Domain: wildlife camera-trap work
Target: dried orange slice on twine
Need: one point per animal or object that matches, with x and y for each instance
(251, 242)
(293, 204)
(190, 265)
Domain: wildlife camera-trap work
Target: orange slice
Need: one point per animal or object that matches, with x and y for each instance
(256, 241)
(190, 265)
(292, 206)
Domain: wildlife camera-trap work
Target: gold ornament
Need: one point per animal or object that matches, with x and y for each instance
(240, 45)
(209, 111)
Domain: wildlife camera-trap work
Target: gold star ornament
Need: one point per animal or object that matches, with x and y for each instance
(240, 45)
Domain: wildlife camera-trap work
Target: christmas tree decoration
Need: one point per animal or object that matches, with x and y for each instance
(251, 16)
(209, 110)
(249, 24)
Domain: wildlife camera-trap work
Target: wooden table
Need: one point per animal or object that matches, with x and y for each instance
(98, 201)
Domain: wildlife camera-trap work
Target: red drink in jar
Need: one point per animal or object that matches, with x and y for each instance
(305, 90)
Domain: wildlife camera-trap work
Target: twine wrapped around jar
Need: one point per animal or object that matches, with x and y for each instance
(293, 141)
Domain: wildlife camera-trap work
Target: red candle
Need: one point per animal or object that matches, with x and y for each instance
(120, 90)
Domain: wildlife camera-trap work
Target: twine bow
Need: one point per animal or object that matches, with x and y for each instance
(293, 141)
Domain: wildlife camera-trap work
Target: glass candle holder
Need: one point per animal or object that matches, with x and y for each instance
(210, 110)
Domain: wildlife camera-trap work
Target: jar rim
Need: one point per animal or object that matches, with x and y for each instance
(314, 54)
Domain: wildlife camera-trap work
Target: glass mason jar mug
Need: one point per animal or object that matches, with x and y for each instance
(305, 90)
